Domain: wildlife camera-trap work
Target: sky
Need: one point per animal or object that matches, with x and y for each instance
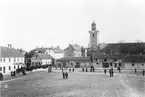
(29, 23)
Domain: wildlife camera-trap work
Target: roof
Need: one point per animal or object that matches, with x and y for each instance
(76, 47)
(43, 50)
(135, 58)
(44, 56)
(74, 59)
(108, 56)
(22, 51)
(9, 52)
(123, 48)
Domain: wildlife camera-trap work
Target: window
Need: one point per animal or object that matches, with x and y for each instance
(132, 64)
(14, 67)
(9, 67)
(119, 64)
(105, 59)
(115, 65)
(18, 59)
(0, 68)
(14, 59)
(96, 59)
(93, 35)
(115, 59)
(4, 59)
(9, 59)
(110, 64)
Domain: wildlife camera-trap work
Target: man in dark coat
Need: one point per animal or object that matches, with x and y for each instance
(105, 70)
(63, 74)
(66, 75)
(110, 72)
(1, 76)
(143, 72)
(73, 69)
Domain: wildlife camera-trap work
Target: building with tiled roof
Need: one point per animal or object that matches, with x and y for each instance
(41, 59)
(73, 50)
(10, 59)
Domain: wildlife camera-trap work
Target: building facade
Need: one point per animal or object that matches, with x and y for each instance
(10, 59)
(72, 51)
(40, 59)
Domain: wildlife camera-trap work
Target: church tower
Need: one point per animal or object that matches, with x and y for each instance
(93, 37)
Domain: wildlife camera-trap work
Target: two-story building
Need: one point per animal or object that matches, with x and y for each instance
(10, 59)
(40, 59)
(73, 50)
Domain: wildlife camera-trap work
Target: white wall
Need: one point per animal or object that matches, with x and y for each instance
(128, 65)
(11, 64)
(46, 61)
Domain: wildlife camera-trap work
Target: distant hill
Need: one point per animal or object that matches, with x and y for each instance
(123, 48)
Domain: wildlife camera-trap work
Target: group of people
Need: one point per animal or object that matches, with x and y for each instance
(111, 72)
(65, 72)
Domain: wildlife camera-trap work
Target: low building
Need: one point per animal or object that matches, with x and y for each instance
(10, 59)
(72, 62)
(72, 51)
(40, 59)
(108, 60)
(135, 61)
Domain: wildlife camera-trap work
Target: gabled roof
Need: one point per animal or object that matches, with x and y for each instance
(74, 47)
(22, 51)
(9, 52)
(44, 56)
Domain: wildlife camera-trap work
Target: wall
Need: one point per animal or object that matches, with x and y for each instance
(11, 64)
(128, 65)
(46, 61)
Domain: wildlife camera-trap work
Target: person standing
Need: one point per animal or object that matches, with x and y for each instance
(63, 74)
(1, 76)
(69, 69)
(73, 69)
(135, 70)
(105, 71)
(110, 72)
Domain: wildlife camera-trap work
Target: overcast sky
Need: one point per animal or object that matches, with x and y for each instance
(30, 23)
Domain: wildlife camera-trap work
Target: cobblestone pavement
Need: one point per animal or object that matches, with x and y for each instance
(77, 85)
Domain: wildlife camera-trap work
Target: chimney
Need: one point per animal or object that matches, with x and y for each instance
(9, 46)
(42, 46)
(36, 46)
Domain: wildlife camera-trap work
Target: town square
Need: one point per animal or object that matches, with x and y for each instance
(72, 48)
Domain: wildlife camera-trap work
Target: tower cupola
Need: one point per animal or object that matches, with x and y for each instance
(93, 25)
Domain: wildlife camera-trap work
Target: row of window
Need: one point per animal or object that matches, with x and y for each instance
(134, 64)
(104, 59)
(4, 68)
(10, 59)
